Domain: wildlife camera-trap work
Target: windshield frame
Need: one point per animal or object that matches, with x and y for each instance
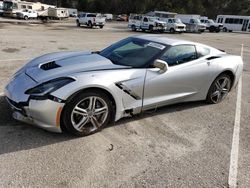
(130, 39)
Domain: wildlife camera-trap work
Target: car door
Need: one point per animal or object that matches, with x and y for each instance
(187, 78)
(145, 23)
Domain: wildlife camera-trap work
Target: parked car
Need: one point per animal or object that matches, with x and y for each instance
(174, 25)
(27, 14)
(146, 23)
(81, 92)
(122, 17)
(90, 20)
(192, 22)
(211, 25)
(109, 17)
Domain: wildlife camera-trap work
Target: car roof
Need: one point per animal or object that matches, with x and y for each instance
(164, 40)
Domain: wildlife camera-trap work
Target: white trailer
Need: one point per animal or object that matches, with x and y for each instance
(192, 22)
(72, 12)
(53, 14)
(11, 7)
(234, 22)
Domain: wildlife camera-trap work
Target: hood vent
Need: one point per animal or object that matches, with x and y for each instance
(49, 66)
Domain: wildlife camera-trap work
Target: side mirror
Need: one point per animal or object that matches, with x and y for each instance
(162, 65)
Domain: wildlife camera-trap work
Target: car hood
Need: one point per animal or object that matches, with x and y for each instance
(62, 64)
(160, 22)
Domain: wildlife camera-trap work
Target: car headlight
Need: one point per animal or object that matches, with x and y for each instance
(48, 87)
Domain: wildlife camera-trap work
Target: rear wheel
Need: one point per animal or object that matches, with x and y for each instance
(133, 28)
(90, 24)
(219, 89)
(78, 23)
(224, 29)
(151, 28)
(101, 26)
(87, 113)
(26, 17)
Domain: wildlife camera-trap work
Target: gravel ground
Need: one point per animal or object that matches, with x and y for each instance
(184, 145)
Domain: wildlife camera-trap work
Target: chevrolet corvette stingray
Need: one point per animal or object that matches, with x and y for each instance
(81, 92)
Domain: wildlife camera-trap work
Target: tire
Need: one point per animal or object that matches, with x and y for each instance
(26, 17)
(172, 30)
(101, 26)
(90, 24)
(224, 29)
(151, 29)
(133, 28)
(219, 89)
(81, 118)
(78, 23)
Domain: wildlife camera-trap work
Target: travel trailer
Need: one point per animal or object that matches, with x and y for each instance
(72, 12)
(234, 22)
(11, 7)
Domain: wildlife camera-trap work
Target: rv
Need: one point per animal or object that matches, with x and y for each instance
(234, 23)
(72, 12)
(58, 13)
(192, 22)
(11, 7)
(53, 14)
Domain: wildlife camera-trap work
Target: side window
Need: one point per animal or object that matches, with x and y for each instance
(145, 19)
(15, 6)
(179, 54)
(169, 21)
(191, 21)
(202, 51)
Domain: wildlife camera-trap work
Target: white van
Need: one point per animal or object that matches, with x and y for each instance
(192, 22)
(234, 22)
(174, 25)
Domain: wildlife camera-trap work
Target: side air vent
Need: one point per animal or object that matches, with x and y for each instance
(49, 66)
(213, 57)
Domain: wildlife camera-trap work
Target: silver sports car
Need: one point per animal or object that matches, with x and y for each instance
(81, 92)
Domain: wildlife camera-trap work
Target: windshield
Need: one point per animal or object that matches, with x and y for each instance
(133, 52)
(176, 20)
(211, 21)
(7, 5)
(196, 21)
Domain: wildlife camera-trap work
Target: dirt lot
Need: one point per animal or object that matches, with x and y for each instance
(184, 145)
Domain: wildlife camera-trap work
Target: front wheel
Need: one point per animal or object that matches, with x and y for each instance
(101, 26)
(87, 113)
(172, 30)
(219, 89)
(78, 23)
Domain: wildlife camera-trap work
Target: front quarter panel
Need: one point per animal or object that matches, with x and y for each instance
(113, 81)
